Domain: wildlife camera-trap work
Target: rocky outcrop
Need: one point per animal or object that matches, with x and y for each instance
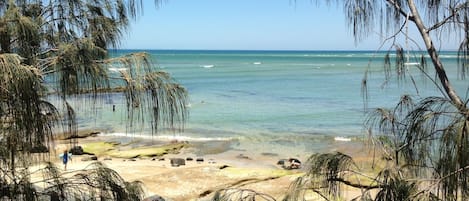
(176, 162)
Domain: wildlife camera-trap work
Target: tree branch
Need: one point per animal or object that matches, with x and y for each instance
(399, 8)
(454, 12)
(361, 186)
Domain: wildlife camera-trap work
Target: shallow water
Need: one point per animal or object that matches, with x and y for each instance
(269, 101)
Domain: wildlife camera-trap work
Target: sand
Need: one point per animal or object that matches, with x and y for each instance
(198, 180)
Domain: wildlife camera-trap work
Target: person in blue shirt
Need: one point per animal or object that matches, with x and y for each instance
(65, 158)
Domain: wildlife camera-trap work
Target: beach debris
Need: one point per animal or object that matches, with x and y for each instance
(108, 159)
(189, 159)
(94, 158)
(200, 160)
(161, 159)
(176, 162)
(154, 198)
(289, 164)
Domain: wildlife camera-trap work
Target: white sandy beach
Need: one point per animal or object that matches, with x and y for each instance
(198, 180)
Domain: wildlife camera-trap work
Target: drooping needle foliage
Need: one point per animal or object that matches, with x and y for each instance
(61, 47)
(423, 140)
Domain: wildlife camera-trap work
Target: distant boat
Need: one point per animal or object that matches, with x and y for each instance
(208, 66)
(257, 63)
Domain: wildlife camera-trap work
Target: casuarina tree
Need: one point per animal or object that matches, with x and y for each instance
(61, 47)
(423, 140)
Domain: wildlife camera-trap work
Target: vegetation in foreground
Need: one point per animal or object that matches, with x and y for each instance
(424, 140)
(61, 47)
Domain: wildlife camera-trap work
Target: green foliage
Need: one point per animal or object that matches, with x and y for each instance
(95, 182)
(62, 47)
(324, 175)
(424, 141)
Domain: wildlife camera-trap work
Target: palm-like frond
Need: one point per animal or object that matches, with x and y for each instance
(146, 88)
(430, 135)
(324, 176)
(26, 120)
(96, 182)
(61, 47)
(395, 187)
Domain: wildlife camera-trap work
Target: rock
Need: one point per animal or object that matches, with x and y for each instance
(108, 159)
(89, 158)
(189, 159)
(223, 167)
(154, 198)
(292, 163)
(176, 162)
(77, 150)
(161, 159)
(281, 162)
(200, 160)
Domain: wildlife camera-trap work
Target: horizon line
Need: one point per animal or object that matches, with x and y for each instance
(286, 50)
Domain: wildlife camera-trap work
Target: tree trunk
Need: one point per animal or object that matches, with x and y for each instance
(436, 61)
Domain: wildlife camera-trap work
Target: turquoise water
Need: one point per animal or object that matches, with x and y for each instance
(273, 99)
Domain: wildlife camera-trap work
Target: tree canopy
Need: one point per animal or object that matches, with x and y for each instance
(62, 47)
(424, 141)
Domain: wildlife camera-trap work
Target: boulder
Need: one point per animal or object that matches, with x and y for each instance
(292, 163)
(77, 150)
(281, 162)
(176, 162)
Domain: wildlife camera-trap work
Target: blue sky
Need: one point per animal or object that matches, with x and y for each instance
(243, 25)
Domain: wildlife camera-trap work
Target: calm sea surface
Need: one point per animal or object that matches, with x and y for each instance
(273, 100)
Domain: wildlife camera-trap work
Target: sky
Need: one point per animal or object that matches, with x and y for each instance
(243, 25)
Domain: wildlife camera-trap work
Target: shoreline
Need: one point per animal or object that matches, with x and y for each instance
(222, 167)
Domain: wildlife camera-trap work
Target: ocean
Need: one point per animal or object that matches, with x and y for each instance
(272, 101)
